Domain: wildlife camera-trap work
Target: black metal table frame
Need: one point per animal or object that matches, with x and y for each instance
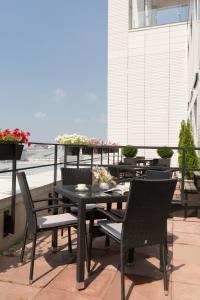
(81, 202)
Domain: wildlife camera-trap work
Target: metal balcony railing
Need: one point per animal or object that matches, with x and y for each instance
(101, 155)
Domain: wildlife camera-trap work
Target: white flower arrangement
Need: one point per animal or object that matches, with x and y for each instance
(72, 139)
(101, 174)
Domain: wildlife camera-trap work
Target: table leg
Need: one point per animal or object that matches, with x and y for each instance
(80, 275)
(54, 243)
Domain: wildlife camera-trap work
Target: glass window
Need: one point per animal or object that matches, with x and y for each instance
(157, 12)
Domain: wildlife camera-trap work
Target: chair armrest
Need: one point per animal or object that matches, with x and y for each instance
(108, 214)
(48, 199)
(51, 207)
(128, 179)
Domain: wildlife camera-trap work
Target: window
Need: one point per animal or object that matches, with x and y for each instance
(144, 13)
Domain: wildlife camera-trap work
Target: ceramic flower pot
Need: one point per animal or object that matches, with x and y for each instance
(104, 186)
(10, 151)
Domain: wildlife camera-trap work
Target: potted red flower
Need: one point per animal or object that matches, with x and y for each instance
(11, 143)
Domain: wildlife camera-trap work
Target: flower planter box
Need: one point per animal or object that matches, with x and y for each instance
(87, 150)
(113, 150)
(7, 151)
(73, 151)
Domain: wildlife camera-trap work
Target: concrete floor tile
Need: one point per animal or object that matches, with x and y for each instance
(45, 269)
(181, 291)
(188, 254)
(137, 288)
(185, 273)
(96, 284)
(187, 227)
(187, 239)
(55, 294)
(17, 291)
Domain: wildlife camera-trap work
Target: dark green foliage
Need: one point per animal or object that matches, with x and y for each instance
(186, 140)
(165, 152)
(129, 151)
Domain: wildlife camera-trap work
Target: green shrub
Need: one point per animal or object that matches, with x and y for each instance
(129, 151)
(186, 140)
(165, 152)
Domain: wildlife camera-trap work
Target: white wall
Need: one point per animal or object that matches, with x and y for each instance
(194, 68)
(117, 70)
(147, 80)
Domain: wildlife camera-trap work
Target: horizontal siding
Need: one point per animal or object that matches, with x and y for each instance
(147, 81)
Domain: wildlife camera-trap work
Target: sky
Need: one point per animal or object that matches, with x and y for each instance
(53, 67)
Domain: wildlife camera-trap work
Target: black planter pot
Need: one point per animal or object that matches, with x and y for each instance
(162, 162)
(130, 161)
(10, 151)
(113, 150)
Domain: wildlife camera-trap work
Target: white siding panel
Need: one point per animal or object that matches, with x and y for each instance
(147, 82)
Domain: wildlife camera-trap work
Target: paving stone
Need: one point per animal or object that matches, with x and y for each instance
(17, 291)
(182, 291)
(55, 274)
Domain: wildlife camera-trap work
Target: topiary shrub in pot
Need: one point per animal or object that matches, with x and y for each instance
(165, 153)
(129, 152)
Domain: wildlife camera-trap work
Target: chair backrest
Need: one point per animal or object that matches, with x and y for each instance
(28, 202)
(114, 171)
(73, 176)
(154, 174)
(147, 211)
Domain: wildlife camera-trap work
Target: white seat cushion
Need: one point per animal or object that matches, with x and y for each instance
(56, 220)
(88, 207)
(112, 228)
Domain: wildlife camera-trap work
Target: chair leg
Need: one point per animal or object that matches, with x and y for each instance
(32, 258)
(24, 244)
(122, 275)
(164, 263)
(69, 240)
(131, 253)
(89, 254)
(107, 241)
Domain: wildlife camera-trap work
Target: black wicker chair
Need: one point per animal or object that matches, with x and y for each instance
(35, 224)
(73, 176)
(144, 222)
(155, 174)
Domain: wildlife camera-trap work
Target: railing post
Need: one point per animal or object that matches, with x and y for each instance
(78, 157)
(92, 157)
(118, 156)
(55, 164)
(65, 156)
(108, 155)
(183, 176)
(101, 156)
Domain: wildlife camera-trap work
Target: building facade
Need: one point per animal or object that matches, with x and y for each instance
(147, 71)
(194, 68)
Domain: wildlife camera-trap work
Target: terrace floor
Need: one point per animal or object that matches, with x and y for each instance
(55, 273)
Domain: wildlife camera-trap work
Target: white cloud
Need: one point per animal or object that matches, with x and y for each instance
(92, 97)
(39, 115)
(60, 93)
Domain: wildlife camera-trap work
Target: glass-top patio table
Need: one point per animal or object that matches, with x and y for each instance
(81, 198)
